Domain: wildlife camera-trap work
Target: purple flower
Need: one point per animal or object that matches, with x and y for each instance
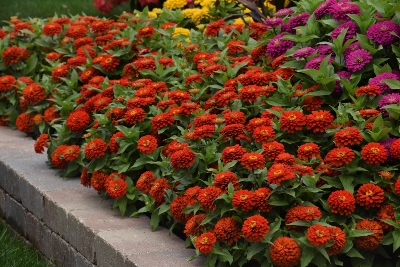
(378, 80)
(283, 12)
(338, 88)
(386, 144)
(353, 47)
(296, 21)
(397, 73)
(315, 63)
(324, 49)
(273, 22)
(324, 9)
(351, 27)
(277, 47)
(342, 9)
(303, 52)
(388, 100)
(380, 32)
(357, 59)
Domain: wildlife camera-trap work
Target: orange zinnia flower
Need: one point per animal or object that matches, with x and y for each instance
(339, 156)
(183, 158)
(194, 227)
(261, 195)
(243, 200)
(280, 172)
(255, 228)
(41, 143)
(227, 230)
(147, 144)
(342, 202)
(205, 242)
(374, 153)
(348, 137)
(78, 120)
(339, 240)
(285, 252)
(319, 121)
(223, 179)
(318, 235)
(253, 161)
(231, 153)
(386, 212)
(272, 150)
(370, 242)
(145, 181)
(207, 196)
(116, 188)
(95, 149)
(157, 190)
(370, 195)
(292, 121)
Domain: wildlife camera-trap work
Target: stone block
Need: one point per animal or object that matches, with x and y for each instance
(62, 254)
(55, 217)
(107, 255)
(38, 234)
(9, 180)
(15, 215)
(81, 261)
(2, 203)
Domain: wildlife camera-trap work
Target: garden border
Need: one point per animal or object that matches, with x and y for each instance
(69, 223)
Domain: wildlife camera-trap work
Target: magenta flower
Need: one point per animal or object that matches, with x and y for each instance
(351, 27)
(273, 22)
(277, 46)
(357, 59)
(303, 52)
(380, 32)
(386, 144)
(338, 88)
(389, 99)
(353, 47)
(283, 12)
(324, 49)
(342, 9)
(379, 80)
(324, 8)
(315, 63)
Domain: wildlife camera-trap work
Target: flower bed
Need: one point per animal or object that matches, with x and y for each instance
(270, 143)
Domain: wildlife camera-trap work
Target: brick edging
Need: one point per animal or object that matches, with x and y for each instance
(69, 223)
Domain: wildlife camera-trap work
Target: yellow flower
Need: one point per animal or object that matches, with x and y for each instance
(188, 12)
(152, 14)
(205, 3)
(270, 6)
(240, 21)
(157, 10)
(200, 14)
(181, 31)
(175, 4)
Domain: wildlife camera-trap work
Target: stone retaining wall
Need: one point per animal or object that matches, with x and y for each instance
(69, 223)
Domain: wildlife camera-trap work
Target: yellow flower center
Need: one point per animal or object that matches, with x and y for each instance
(369, 193)
(243, 197)
(308, 148)
(264, 132)
(253, 157)
(204, 240)
(292, 117)
(342, 198)
(253, 224)
(277, 172)
(375, 150)
(109, 60)
(341, 154)
(146, 143)
(319, 233)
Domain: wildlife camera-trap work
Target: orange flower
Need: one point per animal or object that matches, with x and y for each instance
(24, 122)
(85, 178)
(370, 89)
(57, 158)
(311, 102)
(300, 212)
(147, 144)
(285, 158)
(386, 212)
(374, 153)
(113, 145)
(177, 206)
(370, 195)
(205, 242)
(162, 120)
(183, 158)
(78, 120)
(116, 188)
(250, 93)
(285, 252)
(369, 112)
(213, 28)
(98, 180)
(234, 117)
(59, 72)
(223, 179)
(194, 227)
(41, 143)
(339, 240)
(261, 195)
(370, 242)
(255, 228)
(318, 235)
(263, 134)
(308, 151)
(342, 202)
(292, 121)
(257, 122)
(76, 31)
(51, 114)
(231, 153)
(145, 181)
(12, 55)
(243, 200)
(319, 121)
(95, 149)
(157, 190)
(207, 196)
(235, 46)
(253, 161)
(33, 94)
(227, 230)
(109, 63)
(339, 156)
(272, 150)
(303, 170)
(71, 153)
(348, 137)
(280, 172)
(6, 83)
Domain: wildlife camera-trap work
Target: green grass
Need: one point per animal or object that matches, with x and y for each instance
(15, 253)
(47, 8)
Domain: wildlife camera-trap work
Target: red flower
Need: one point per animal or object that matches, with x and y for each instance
(78, 120)
(252, 161)
(71, 153)
(41, 143)
(95, 149)
(207, 196)
(146, 31)
(386, 212)
(308, 151)
(57, 158)
(12, 55)
(194, 227)
(24, 122)
(311, 102)
(303, 170)
(291, 121)
(319, 121)
(235, 46)
(162, 120)
(318, 235)
(370, 89)
(348, 137)
(370, 195)
(109, 63)
(299, 212)
(134, 115)
(6, 83)
(374, 153)
(85, 178)
(285, 158)
(147, 144)
(339, 156)
(116, 188)
(280, 172)
(177, 206)
(370, 242)
(145, 181)
(243, 200)
(203, 131)
(272, 150)
(183, 158)
(113, 145)
(285, 252)
(395, 149)
(213, 28)
(223, 179)
(232, 153)
(255, 228)
(98, 181)
(157, 190)
(76, 31)
(227, 230)
(263, 134)
(34, 94)
(339, 240)
(234, 117)
(205, 242)
(257, 122)
(51, 29)
(369, 112)
(261, 195)
(232, 131)
(342, 202)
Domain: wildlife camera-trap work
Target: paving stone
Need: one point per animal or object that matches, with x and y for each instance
(2, 203)
(81, 261)
(55, 217)
(107, 255)
(15, 215)
(38, 234)
(61, 252)
(165, 259)
(9, 180)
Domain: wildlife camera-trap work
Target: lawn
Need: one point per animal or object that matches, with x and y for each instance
(15, 253)
(47, 8)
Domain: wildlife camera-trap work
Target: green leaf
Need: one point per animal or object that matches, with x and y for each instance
(307, 255)
(224, 255)
(396, 238)
(255, 249)
(122, 202)
(388, 239)
(347, 182)
(353, 253)
(163, 208)
(155, 220)
(392, 83)
(357, 233)
(30, 64)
